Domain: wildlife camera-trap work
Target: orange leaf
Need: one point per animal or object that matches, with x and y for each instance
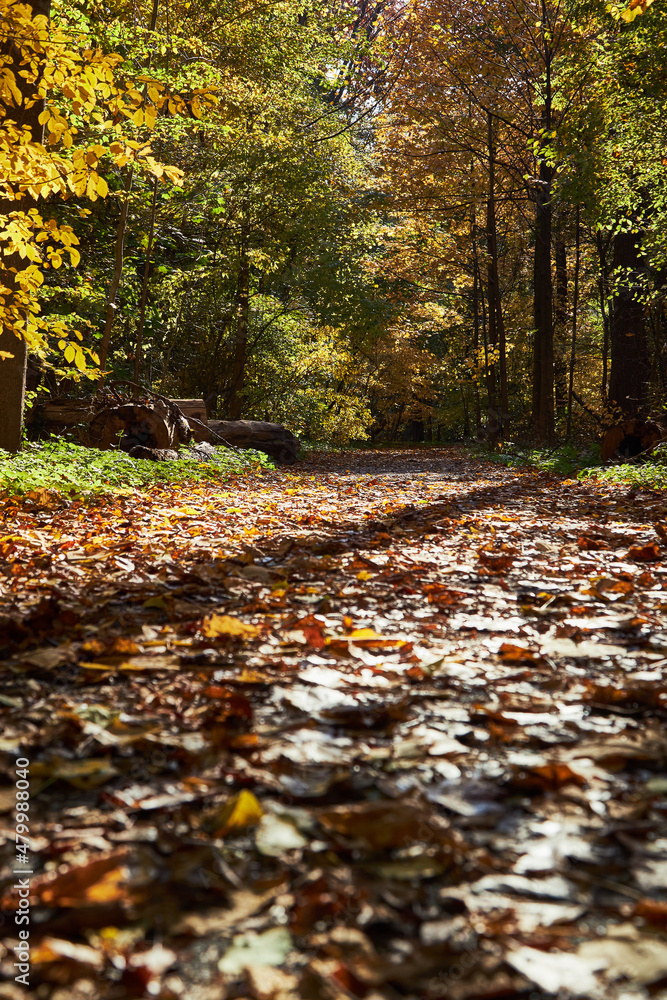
(645, 553)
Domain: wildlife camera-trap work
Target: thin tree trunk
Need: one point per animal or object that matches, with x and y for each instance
(543, 364)
(475, 307)
(575, 309)
(603, 293)
(117, 274)
(502, 356)
(543, 357)
(13, 367)
(561, 325)
(241, 339)
(503, 417)
(475, 297)
(167, 356)
(485, 339)
(494, 424)
(144, 286)
(119, 257)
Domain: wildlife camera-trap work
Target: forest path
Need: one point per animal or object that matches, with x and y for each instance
(384, 724)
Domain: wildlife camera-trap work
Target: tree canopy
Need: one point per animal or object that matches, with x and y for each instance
(361, 219)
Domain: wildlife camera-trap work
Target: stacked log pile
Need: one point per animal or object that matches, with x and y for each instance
(155, 427)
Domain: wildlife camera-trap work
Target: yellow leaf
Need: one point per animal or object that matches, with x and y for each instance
(153, 602)
(364, 575)
(5, 355)
(224, 626)
(238, 813)
(69, 353)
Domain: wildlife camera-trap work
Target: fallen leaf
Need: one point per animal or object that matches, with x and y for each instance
(249, 950)
(225, 627)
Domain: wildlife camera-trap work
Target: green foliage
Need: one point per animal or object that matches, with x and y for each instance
(64, 468)
(565, 460)
(649, 474)
(569, 460)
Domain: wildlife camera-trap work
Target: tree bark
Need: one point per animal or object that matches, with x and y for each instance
(630, 363)
(117, 274)
(543, 356)
(241, 340)
(144, 286)
(543, 362)
(494, 423)
(561, 325)
(603, 294)
(13, 369)
(475, 313)
(575, 308)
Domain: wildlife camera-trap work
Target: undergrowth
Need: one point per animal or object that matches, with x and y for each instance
(648, 475)
(584, 463)
(565, 460)
(62, 467)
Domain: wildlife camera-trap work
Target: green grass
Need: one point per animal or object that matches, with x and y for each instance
(565, 460)
(62, 467)
(647, 474)
(584, 463)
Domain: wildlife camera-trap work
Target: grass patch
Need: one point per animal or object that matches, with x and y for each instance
(568, 460)
(649, 473)
(62, 467)
(565, 460)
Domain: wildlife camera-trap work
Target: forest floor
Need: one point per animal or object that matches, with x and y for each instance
(381, 725)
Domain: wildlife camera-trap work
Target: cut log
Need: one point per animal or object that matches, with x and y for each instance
(66, 412)
(635, 436)
(273, 439)
(192, 408)
(149, 425)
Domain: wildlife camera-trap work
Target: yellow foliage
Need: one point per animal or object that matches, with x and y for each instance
(49, 65)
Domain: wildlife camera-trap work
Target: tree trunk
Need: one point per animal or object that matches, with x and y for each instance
(149, 246)
(144, 286)
(603, 293)
(575, 308)
(475, 307)
(630, 363)
(241, 340)
(561, 328)
(13, 369)
(117, 274)
(543, 357)
(494, 423)
(543, 362)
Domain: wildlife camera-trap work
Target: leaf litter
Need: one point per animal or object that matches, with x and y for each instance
(384, 725)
